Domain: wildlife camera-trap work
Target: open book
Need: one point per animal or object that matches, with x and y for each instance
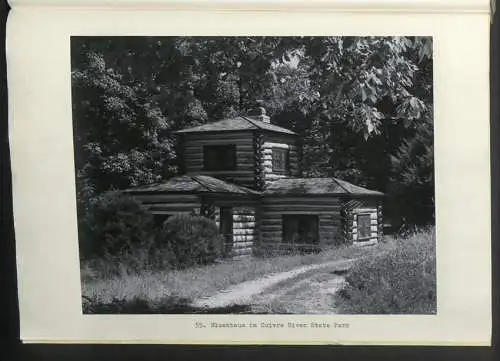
(278, 172)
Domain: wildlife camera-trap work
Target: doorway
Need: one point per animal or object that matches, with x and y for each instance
(226, 228)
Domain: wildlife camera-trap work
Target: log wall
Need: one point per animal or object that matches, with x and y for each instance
(271, 141)
(244, 231)
(192, 153)
(354, 207)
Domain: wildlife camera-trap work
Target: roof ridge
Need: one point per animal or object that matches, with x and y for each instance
(195, 178)
(341, 186)
(251, 121)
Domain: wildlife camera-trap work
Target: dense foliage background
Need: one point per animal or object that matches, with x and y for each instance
(362, 107)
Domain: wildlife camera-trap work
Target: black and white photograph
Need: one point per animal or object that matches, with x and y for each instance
(255, 175)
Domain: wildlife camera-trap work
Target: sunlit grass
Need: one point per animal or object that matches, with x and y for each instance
(100, 285)
(397, 282)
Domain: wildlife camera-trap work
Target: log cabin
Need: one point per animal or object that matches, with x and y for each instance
(244, 173)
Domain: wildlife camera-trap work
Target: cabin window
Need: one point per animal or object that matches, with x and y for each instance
(219, 157)
(300, 228)
(364, 226)
(280, 160)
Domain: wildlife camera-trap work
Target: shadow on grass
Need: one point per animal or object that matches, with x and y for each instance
(167, 306)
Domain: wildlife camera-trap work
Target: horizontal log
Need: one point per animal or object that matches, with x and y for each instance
(276, 220)
(243, 238)
(198, 145)
(241, 162)
(227, 201)
(277, 227)
(228, 173)
(333, 221)
(238, 142)
(241, 251)
(244, 210)
(328, 230)
(309, 212)
(280, 145)
(371, 211)
(243, 225)
(237, 174)
(268, 222)
(228, 139)
(284, 245)
(270, 176)
(217, 135)
(244, 220)
(268, 153)
(305, 199)
(271, 227)
(170, 212)
(267, 164)
(246, 231)
(243, 245)
(368, 242)
(173, 206)
(310, 206)
(241, 257)
(166, 198)
(270, 234)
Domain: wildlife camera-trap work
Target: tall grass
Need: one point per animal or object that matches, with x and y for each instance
(401, 281)
(114, 281)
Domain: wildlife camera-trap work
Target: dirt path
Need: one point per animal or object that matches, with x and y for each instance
(282, 288)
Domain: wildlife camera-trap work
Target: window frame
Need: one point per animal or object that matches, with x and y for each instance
(285, 170)
(218, 165)
(299, 220)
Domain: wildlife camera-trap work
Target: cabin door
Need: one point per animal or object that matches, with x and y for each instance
(226, 228)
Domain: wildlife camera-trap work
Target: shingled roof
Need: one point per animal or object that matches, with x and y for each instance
(193, 184)
(298, 186)
(237, 123)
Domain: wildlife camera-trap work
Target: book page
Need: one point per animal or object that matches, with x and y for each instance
(56, 104)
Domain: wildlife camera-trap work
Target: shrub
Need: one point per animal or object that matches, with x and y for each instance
(194, 240)
(400, 281)
(115, 224)
(134, 261)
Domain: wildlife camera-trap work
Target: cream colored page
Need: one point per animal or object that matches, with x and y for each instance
(356, 5)
(38, 43)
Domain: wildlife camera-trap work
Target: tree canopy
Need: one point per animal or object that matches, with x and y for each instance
(361, 105)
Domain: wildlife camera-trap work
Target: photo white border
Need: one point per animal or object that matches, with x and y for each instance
(38, 50)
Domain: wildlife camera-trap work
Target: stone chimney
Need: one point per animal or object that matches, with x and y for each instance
(260, 114)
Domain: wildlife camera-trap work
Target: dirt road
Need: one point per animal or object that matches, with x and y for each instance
(310, 294)
(304, 290)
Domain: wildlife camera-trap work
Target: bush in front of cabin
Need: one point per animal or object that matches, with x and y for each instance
(194, 240)
(401, 281)
(115, 225)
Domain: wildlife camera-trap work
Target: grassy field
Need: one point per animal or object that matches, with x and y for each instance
(146, 290)
(401, 281)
